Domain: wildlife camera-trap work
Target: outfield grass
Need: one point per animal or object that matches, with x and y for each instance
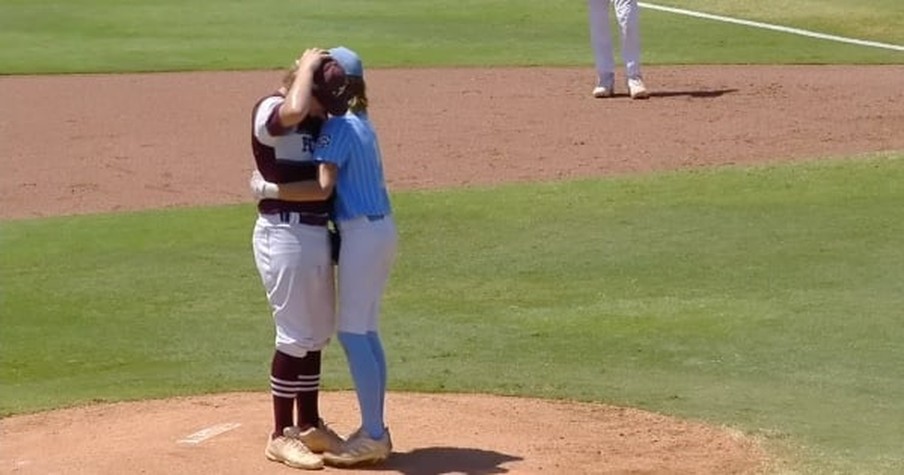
(766, 299)
(114, 36)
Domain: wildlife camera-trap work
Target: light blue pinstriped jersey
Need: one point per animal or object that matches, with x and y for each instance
(350, 142)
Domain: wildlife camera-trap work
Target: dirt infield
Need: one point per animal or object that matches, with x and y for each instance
(85, 144)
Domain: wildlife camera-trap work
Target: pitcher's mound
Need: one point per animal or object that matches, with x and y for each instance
(433, 434)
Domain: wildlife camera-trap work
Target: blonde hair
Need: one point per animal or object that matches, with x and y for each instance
(289, 75)
(357, 91)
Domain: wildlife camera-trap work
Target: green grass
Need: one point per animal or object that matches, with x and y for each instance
(121, 36)
(113, 306)
(767, 299)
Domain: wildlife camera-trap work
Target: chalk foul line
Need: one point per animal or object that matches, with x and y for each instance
(768, 26)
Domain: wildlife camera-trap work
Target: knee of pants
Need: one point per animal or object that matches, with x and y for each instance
(296, 350)
(357, 325)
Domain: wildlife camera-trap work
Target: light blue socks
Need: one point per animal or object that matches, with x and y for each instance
(377, 348)
(367, 365)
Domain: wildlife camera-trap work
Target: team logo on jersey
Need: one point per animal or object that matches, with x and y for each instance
(307, 144)
(323, 141)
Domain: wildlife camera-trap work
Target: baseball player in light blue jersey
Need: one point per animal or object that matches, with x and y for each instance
(350, 158)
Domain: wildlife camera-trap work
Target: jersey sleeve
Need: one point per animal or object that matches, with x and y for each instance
(266, 121)
(332, 145)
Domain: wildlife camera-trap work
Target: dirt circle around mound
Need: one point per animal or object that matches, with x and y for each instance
(131, 142)
(432, 434)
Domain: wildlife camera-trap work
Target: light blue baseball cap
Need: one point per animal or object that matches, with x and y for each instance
(349, 61)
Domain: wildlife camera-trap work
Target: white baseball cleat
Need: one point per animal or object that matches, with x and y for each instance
(605, 86)
(601, 91)
(289, 450)
(321, 438)
(360, 448)
(637, 89)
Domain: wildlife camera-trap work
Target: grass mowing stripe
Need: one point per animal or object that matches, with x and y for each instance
(766, 299)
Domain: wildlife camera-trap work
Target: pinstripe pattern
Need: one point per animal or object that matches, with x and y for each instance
(350, 143)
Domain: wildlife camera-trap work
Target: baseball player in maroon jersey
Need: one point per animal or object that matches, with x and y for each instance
(292, 253)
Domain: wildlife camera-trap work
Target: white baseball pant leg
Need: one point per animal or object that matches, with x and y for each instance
(297, 273)
(626, 12)
(601, 40)
(368, 251)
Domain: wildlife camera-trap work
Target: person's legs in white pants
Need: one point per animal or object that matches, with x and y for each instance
(601, 42)
(626, 12)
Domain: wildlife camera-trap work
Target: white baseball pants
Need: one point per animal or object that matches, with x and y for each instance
(297, 273)
(626, 12)
(368, 252)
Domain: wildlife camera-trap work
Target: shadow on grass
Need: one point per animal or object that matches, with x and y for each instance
(441, 460)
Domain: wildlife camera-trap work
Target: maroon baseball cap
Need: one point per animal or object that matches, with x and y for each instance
(330, 87)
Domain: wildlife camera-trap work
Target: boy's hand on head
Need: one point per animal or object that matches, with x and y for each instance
(312, 57)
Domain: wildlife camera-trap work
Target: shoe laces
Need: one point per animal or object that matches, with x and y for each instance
(292, 436)
(363, 445)
(360, 432)
(325, 426)
(293, 444)
(356, 434)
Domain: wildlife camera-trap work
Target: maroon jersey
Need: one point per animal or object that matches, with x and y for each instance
(285, 154)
